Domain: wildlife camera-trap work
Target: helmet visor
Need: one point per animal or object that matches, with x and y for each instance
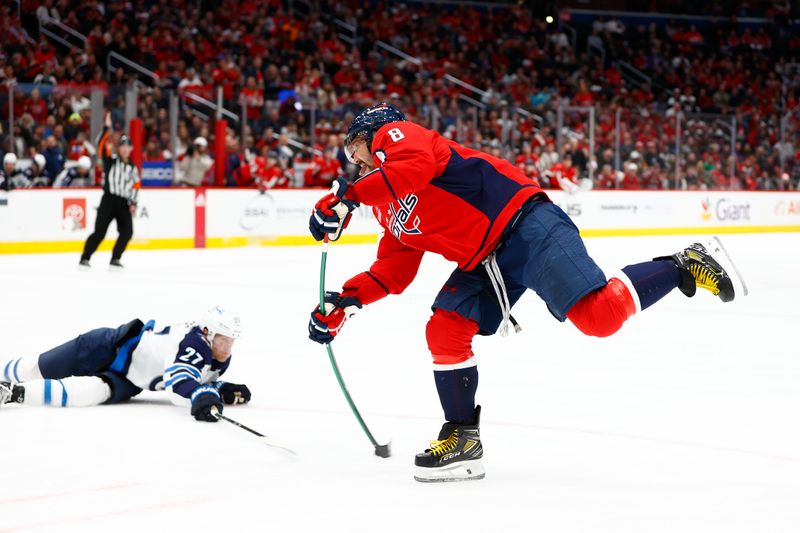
(350, 144)
(349, 151)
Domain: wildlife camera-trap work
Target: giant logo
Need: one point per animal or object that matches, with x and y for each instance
(725, 210)
(706, 205)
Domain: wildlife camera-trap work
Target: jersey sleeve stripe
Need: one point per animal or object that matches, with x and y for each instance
(183, 371)
(187, 368)
(174, 381)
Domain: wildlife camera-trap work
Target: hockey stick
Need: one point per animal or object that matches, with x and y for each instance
(264, 439)
(381, 450)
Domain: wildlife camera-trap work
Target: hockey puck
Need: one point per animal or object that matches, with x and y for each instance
(382, 450)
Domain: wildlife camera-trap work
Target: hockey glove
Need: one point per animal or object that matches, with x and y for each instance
(206, 403)
(323, 328)
(231, 393)
(332, 213)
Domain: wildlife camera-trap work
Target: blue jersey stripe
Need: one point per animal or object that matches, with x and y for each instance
(176, 380)
(179, 373)
(5, 370)
(63, 394)
(16, 377)
(47, 391)
(180, 366)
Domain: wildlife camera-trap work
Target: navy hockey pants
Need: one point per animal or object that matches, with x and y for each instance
(92, 354)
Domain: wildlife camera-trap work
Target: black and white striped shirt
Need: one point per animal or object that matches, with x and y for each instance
(121, 178)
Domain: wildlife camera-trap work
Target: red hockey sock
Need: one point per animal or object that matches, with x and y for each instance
(602, 312)
(449, 338)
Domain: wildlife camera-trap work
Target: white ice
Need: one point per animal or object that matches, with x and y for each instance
(686, 420)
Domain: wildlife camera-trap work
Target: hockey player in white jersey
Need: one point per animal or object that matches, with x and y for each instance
(112, 365)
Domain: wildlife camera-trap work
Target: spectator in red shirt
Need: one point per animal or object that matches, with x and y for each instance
(562, 172)
(630, 181)
(526, 157)
(252, 97)
(607, 178)
(323, 170)
(268, 173)
(36, 107)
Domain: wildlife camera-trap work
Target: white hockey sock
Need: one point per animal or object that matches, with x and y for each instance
(75, 391)
(20, 369)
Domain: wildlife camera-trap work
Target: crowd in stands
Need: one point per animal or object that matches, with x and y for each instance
(715, 99)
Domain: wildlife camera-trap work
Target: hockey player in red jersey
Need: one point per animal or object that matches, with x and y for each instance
(434, 195)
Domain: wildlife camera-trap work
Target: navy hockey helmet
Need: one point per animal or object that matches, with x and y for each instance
(368, 122)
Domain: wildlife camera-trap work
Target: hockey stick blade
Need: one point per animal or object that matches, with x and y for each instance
(268, 441)
(382, 450)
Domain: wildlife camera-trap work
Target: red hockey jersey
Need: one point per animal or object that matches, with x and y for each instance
(432, 195)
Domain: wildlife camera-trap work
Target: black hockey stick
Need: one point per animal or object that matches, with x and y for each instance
(264, 439)
(381, 450)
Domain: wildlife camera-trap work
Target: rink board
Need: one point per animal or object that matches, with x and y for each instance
(60, 220)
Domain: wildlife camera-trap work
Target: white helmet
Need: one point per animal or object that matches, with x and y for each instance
(219, 320)
(39, 160)
(84, 163)
(10, 159)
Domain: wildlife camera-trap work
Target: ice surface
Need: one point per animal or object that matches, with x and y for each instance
(686, 420)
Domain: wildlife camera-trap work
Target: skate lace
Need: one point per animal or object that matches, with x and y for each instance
(705, 278)
(441, 447)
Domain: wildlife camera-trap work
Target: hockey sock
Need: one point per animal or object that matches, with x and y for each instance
(457, 393)
(22, 369)
(76, 391)
(652, 280)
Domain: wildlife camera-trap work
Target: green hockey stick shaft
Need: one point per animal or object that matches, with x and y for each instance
(381, 450)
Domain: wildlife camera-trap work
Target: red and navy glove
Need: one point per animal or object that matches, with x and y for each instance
(332, 213)
(323, 328)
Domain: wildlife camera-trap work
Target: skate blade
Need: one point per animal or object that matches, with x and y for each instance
(719, 253)
(84, 268)
(461, 471)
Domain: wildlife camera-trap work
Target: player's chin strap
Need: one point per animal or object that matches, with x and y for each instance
(499, 285)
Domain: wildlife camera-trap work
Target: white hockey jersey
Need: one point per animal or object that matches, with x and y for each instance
(178, 359)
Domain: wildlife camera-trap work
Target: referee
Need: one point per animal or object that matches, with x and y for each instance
(120, 192)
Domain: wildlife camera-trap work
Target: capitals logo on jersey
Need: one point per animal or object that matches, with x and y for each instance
(401, 217)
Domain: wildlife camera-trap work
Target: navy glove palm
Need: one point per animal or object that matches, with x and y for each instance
(332, 213)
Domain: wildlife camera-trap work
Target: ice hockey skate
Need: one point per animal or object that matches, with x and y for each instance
(456, 456)
(711, 268)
